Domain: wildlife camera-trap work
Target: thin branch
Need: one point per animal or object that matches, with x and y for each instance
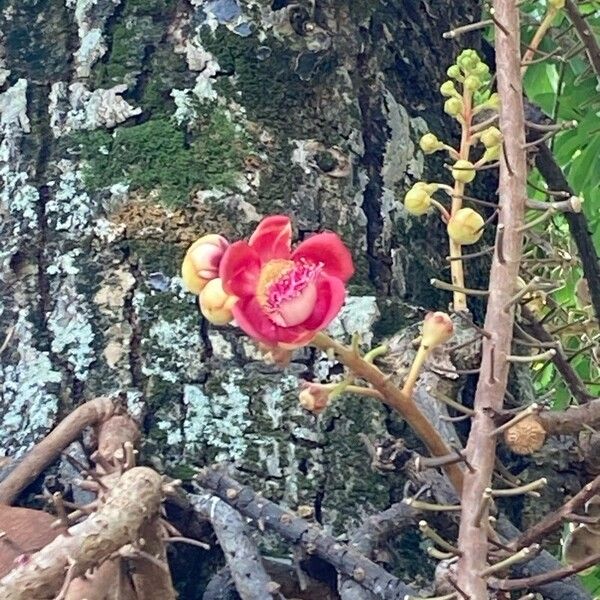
(555, 180)
(491, 387)
(560, 359)
(586, 35)
(554, 519)
(543, 578)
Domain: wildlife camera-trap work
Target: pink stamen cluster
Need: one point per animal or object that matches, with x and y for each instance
(292, 283)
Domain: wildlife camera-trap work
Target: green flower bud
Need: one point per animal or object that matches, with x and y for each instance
(472, 83)
(468, 60)
(465, 226)
(448, 90)
(430, 144)
(491, 137)
(464, 171)
(556, 4)
(492, 153)
(454, 72)
(482, 71)
(453, 107)
(417, 199)
(493, 101)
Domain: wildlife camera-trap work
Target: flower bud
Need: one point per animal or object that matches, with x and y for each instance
(556, 4)
(492, 153)
(464, 171)
(465, 226)
(468, 60)
(437, 329)
(430, 144)
(314, 397)
(454, 72)
(493, 101)
(472, 83)
(201, 262)
(482, 71)
(491, 137)
(453, 106)
(418, 199)
(216, 304)
(448, 90)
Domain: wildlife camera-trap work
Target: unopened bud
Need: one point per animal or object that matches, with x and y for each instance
(430, 144)
(417, 199)
(454, 72)
(437, 329)
(314, 398)
(556, 4)
(201, 262)
(453, 107)
(491, 137)
(216, 304)
(472, 83)
(449, 90)
(465, 226)
(493, 101)
(463, 170)
(492, 153)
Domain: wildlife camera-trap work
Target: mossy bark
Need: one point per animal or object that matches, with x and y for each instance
(313, 109)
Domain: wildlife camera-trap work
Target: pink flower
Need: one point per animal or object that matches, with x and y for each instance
(285, 296)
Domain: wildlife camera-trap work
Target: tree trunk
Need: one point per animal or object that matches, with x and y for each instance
(132, 127)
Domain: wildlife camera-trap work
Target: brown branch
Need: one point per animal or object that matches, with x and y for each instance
(560, 360)
(346, 560)
(48, 450)
(135, 498)
(554, 519)
(543, 578)
(586, 35)
(572, 420)
(396, 399)
(491, 387)
(244, 560)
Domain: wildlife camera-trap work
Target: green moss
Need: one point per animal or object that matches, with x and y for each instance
(157, 155)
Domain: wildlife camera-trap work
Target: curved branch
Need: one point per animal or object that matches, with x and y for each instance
(48, 450)
(586, 35)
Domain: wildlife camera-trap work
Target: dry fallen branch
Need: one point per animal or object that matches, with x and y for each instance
(244, 561)
(132, 502)
(370, 536)
(48, 450)
(310, 537)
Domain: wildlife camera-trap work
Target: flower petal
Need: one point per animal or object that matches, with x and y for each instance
(327, 248)
(272, 238)
(239, 270)
(331, 295)
(252, 320)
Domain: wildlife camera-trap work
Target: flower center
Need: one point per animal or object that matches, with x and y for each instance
(286, 290)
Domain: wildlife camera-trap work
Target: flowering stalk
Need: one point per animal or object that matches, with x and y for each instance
(394, 398)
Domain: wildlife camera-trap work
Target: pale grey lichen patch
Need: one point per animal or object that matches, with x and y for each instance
(70, 208)
(28, 407)
(357, 316)
(219, 421)
(90, 16)
(76, 107)
(221, 347)
(73, 336)
(13, 107)
(175, 349)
